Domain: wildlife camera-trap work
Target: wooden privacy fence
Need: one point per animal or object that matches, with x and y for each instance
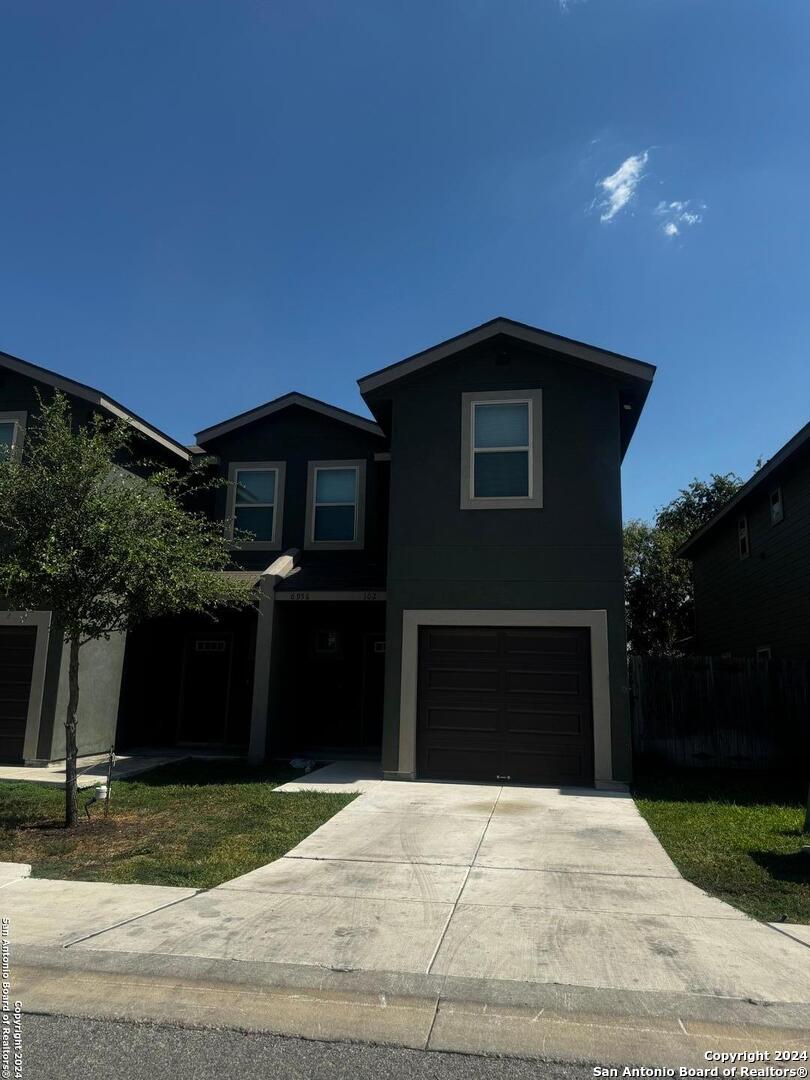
(721, 713)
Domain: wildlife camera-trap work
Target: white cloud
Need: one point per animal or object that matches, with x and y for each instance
(679, 213)
(620, 187)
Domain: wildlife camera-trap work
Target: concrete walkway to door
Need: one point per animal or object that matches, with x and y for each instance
(530, 885)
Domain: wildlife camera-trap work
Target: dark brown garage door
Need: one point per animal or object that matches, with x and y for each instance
(17, 645)
(505, 703)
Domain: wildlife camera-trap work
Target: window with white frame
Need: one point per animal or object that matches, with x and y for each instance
(335, 504)
(12, 431)
(742, 538)
(763, 652)
(777, 509)
(255, 497)
(501, 466)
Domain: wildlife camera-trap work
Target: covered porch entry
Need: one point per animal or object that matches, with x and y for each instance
(327, 671)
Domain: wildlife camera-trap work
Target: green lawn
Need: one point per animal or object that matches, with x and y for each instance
(736, 835)
(194, 823)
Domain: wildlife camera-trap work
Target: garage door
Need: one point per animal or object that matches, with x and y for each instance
(505, 703)
(17, 645)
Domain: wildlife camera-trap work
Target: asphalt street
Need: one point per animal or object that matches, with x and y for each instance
(62, 1048)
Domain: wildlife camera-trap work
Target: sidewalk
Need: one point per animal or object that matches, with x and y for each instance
(503, 920)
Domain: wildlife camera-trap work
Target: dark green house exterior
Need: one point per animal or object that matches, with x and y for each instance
(440, 585)
(751, 563)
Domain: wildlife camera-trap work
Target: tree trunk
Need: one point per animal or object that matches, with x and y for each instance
(71, 794)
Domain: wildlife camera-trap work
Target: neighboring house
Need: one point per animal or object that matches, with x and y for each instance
(442, 584)
(33, 661)
(751, 563)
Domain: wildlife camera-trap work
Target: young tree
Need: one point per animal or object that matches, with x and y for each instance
(659, 596)
(100, 546)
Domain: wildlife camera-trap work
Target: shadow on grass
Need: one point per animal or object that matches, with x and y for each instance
(740, 787)
(793, 866)
(201, 773)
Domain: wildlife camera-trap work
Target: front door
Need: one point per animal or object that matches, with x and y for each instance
(206, 688)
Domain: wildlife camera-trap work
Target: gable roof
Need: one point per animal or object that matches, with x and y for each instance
(95, 397)
(532, 335)
(284, 402)
(781, 457)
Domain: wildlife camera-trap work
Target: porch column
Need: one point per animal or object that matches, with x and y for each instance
(277, 571)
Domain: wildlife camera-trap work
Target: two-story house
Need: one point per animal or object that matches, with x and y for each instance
(445, 583)
(441, 584)
(33, 660)
(751, 563)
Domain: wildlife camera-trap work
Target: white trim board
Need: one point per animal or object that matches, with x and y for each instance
(594, 620)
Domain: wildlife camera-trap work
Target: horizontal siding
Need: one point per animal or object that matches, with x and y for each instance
(764, 599)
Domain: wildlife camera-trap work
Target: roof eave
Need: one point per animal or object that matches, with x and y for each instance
(532, 335)
(791, 447)
(284, 402)
(95, 397)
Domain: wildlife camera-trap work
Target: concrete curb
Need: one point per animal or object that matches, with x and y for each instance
(551, 1021)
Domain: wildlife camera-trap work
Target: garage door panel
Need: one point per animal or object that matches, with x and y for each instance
(463, 679)
(545, 682)
(460, 762)
(545, 722)
(550, 766)
(534, 643)
(461, 641)
(462, 719)
(510, 702)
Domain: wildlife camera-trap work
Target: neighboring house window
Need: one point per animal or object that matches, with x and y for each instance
(742, 538)
(763, 652)
(12, 433)
(777, 510)
(335, 505)
(501, 450)
(256, 502)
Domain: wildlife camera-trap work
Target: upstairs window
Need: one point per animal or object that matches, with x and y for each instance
(335, 505)
(777, 510)
(12, 431)
(742, 538)
(501, 450)
(256, 501)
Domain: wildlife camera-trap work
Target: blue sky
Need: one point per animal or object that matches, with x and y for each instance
(207, 204)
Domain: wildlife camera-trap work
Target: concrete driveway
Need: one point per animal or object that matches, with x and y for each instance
(565, 886)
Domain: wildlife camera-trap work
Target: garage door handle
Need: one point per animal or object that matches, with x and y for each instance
(503, 777)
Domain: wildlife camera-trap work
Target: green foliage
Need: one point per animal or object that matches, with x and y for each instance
(659, 597)
(98, 544)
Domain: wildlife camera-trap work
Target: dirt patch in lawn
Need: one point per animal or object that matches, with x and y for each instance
(169, 827)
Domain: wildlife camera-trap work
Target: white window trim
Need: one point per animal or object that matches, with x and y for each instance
(778, 492)
(742, 533)
(763, 652)
(19, 420)
(356, 544)
(280, 469)
(534, 400)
